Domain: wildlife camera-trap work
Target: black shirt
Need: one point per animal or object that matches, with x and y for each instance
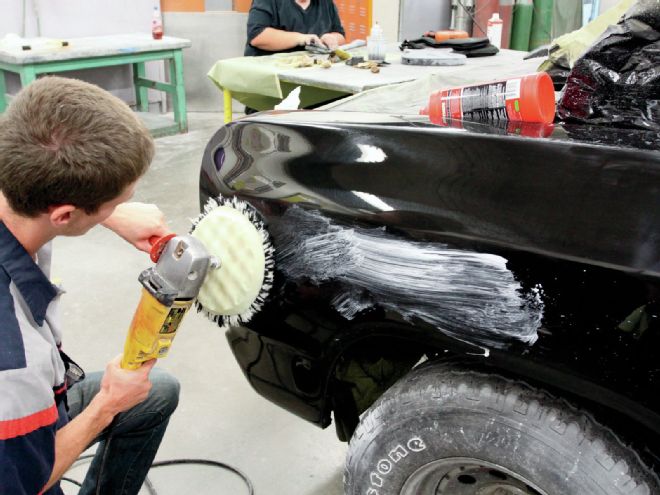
(319, 18)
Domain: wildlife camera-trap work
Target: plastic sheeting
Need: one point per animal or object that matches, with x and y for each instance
(567, 49)
(254, 81)
(617, 81)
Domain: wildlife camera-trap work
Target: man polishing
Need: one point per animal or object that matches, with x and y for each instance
(70, 157)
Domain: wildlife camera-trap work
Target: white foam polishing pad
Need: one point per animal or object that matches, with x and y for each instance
(230, 235)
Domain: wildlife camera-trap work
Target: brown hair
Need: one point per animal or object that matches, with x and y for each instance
(64, 141)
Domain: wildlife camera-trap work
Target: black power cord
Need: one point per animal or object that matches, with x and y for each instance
(200, 462)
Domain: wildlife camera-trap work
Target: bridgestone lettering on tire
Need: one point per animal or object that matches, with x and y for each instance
(503, 436)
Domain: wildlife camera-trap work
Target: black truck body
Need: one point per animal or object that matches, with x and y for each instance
(574, 210)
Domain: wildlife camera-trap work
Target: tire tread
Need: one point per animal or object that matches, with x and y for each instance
(452, 384)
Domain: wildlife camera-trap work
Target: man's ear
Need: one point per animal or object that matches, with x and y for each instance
(60, 216)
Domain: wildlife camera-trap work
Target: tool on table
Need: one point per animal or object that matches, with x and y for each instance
(324, 50)
(448, 34)
(225, 264)
(340, 52)
(317, 49)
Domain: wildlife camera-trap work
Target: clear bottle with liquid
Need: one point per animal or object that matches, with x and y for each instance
(376, 44)
(157, 24)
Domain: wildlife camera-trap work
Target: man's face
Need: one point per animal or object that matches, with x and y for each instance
(81, 222)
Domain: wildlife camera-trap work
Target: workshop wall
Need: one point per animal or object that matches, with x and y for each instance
(606, 4)
(197, 5)
(183, 5)
(386, 13)
(216, 31)
(242, 5)
(223, 5)
(214, 36)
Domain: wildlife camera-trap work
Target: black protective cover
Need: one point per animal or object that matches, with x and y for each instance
(617, 81)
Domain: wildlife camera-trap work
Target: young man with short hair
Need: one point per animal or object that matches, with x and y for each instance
(70, 157)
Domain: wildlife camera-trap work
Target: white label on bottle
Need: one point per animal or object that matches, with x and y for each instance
(483, 102)
(512, 91)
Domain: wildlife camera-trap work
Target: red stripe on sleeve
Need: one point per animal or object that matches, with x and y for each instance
(13, 428)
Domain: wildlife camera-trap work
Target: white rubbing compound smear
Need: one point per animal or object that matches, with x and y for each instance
(469, 295)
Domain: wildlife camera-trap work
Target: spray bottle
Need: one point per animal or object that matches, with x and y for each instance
(494, 30)
(157, 24)
(528, 98)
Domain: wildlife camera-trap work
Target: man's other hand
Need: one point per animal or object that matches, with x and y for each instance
(136, 223)
(309, 39)
(330, 40)
(122, 389)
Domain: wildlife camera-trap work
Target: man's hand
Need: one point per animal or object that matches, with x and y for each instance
(122, 389)
(136, 223)
(331, 40)
(309, 39)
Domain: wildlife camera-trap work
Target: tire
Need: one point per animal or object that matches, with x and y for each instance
(446, 430)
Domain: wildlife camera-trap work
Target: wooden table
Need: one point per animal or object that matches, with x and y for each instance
(104, 51)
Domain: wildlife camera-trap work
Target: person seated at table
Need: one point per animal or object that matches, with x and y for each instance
(287, 25)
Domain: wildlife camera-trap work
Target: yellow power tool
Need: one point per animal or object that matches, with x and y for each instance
(224, 266)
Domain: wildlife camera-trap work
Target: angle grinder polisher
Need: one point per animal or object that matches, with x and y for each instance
(224, 267)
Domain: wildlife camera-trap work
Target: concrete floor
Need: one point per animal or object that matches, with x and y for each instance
(219, 417)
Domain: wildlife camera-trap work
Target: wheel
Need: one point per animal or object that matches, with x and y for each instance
(446, 430)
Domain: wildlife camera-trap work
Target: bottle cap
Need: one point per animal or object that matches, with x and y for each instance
(495, 17)
(537, 98)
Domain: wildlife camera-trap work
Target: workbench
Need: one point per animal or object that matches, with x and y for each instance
(104, 51)
(262, 82)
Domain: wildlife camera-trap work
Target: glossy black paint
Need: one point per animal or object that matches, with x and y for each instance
(574, 210)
